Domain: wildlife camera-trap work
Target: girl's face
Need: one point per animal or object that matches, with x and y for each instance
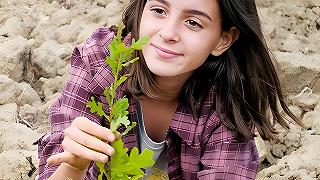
(182, 35)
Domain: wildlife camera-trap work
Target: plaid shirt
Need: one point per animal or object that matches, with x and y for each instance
(201, 148)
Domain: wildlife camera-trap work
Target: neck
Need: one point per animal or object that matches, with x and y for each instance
(171, 87)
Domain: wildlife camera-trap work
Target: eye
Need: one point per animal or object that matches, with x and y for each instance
(193, 24)
(158, 11)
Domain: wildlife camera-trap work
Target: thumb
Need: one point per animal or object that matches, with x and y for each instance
(58, 158)
(71, 159)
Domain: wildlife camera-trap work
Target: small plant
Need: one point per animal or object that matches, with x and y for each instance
(121, 165)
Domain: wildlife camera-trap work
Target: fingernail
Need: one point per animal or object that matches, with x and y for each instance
(111, 137)
(104, 159)
(49, 161)
(111, 151)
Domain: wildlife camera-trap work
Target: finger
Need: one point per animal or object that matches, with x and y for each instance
(89, 141)
(94, 129)
(71, 159)
(83, 152)
(60, 158)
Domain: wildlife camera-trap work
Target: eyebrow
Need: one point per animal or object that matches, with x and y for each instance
(197, 12)
(161, 1)
(190, 11)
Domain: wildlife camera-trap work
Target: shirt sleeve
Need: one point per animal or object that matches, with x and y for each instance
(87, 61)
(225, 157)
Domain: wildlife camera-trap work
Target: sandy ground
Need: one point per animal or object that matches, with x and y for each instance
(37, 38)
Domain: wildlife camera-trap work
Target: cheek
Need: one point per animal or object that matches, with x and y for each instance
(142, 23)
(145, 25)
(200, 48)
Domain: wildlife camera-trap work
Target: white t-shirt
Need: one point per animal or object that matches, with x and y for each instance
(159, 169)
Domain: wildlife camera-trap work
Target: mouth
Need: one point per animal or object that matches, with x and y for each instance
(165, 53)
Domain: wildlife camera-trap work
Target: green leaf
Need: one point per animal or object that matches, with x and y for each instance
(114, 124)
(128, 129)
(115, 48)
(128, 168)
(127, 54)
(136, 162)
(121, 26)
(101, 169)
(144, 159)
(124, 167)
(120, 108)
(120, 157)
(140, 43)
(100, 176)
(130, 62)
(121, 48)
(112, 63)
(107, 92)
(96, 107)
(121, 80)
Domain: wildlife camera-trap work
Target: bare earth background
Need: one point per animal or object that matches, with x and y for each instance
(37, 38)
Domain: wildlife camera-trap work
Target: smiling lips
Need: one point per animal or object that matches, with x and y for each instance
(165, 53)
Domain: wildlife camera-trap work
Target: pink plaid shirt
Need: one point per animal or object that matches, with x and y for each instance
(201, 148)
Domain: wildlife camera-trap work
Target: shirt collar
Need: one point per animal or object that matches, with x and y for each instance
(184, 124)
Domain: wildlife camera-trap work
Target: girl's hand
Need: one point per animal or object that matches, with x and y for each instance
(84, 141)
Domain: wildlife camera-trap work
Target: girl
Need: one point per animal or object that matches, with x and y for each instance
(204, 85)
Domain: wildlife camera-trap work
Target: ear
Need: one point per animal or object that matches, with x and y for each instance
(227, 39)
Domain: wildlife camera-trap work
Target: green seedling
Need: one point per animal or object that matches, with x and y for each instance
(121, 165)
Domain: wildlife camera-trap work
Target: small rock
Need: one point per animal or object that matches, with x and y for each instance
(306, 101)
(13, 53)
(9, 112)
(317, 107)
(61, 17)
(311, 15)
(9, 90)
(32, 115)
(278, 150)
(86, 32)
(15, 166)
(312, 121)
(296, 110)
(15, 136)
(102, 3)
(316, 10)
(264, 150)
(317, 171)
(316, 87)
(298, 164)
(311, 3)
(19, 93)
(28, 95)
(293, 139)
(10, 28)
(44, 31)
(53, 85)
(292, 44)
(69, 33)
(50, 57)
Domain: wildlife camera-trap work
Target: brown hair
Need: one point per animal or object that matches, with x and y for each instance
(142, 80)
(247, 83)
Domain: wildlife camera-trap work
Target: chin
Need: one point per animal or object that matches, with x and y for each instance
(161, 72)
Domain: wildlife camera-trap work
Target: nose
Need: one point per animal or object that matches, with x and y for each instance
(169, 31)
